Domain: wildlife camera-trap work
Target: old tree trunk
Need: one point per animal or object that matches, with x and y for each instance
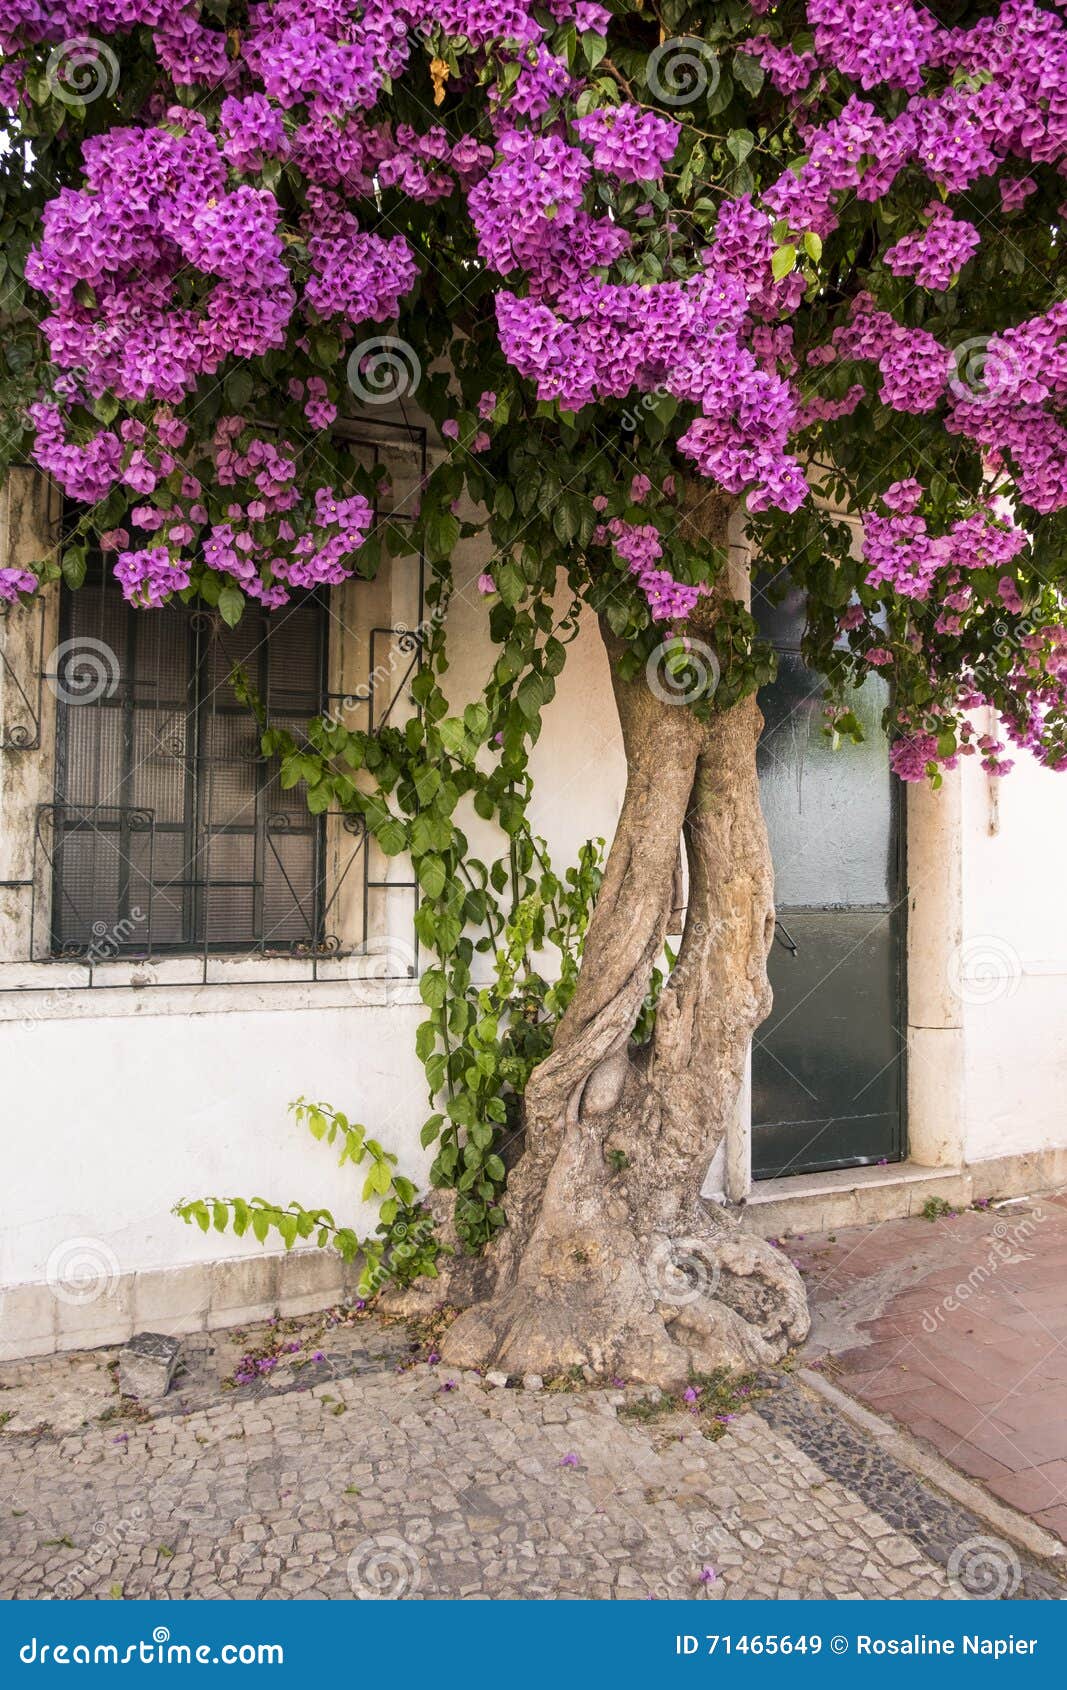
(610, 1259)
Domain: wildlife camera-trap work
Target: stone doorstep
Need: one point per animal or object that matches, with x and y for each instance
(849, 1197)
(859, 1196)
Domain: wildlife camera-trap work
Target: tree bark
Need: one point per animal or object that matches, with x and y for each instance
(610, 1259)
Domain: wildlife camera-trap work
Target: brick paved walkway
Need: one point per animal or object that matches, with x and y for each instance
(421, 1483)
(957, 1329)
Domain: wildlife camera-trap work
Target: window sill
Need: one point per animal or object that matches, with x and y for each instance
(65, 989)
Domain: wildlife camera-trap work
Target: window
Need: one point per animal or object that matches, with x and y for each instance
(169, 831)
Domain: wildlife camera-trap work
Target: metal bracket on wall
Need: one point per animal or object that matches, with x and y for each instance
(20, 712)
(785, 938)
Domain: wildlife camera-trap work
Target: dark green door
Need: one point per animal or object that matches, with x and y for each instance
(827, 1067)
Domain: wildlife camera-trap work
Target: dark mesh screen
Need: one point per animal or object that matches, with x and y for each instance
(169, 831)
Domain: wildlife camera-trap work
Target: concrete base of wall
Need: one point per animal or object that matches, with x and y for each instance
(862, 1196)
(199, 1297)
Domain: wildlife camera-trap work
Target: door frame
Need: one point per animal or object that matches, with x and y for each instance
(934, 1103)
(895, 912)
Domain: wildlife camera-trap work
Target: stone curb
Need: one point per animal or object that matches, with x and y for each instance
(1007, 1522)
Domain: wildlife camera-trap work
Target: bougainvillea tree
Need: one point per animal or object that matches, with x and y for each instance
(650, 266)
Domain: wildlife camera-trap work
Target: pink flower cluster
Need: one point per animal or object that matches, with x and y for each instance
(936, 255)
(628, 143)
(639, 546)
(155, 206)
(904, 555)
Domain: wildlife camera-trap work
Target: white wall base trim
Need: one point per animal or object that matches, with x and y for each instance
(38, 1319)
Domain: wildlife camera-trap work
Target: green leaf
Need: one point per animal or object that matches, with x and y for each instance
(105, 408)
(73, 565)
(431, 1130)
(231, 605)
(433, 988)
(531, 697)
(594, 47)
(567, 518)
(453, 735)
(392, 836)
(441, 531)
(783, 261)
(433, 876)
(237, 388)
(509, 583)
(749, 72)
(325, 349)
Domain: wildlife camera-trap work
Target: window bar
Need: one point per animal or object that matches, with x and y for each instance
(23, 734)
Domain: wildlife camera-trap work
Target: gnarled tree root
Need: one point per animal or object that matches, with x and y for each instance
(653, 1311)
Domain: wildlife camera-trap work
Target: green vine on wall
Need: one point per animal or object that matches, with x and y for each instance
(404, 1245)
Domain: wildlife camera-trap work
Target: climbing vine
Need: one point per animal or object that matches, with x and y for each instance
(482, 1037)
(403, 1246)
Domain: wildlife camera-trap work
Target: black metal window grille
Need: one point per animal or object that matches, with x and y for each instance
(169, 831)
(163, 833)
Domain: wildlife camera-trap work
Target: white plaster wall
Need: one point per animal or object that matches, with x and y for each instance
(111, 1119)
(578, 767)
(1011, 969)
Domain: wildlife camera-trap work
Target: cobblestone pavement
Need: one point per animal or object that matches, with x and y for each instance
(421, 1483)
(957, 1330)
